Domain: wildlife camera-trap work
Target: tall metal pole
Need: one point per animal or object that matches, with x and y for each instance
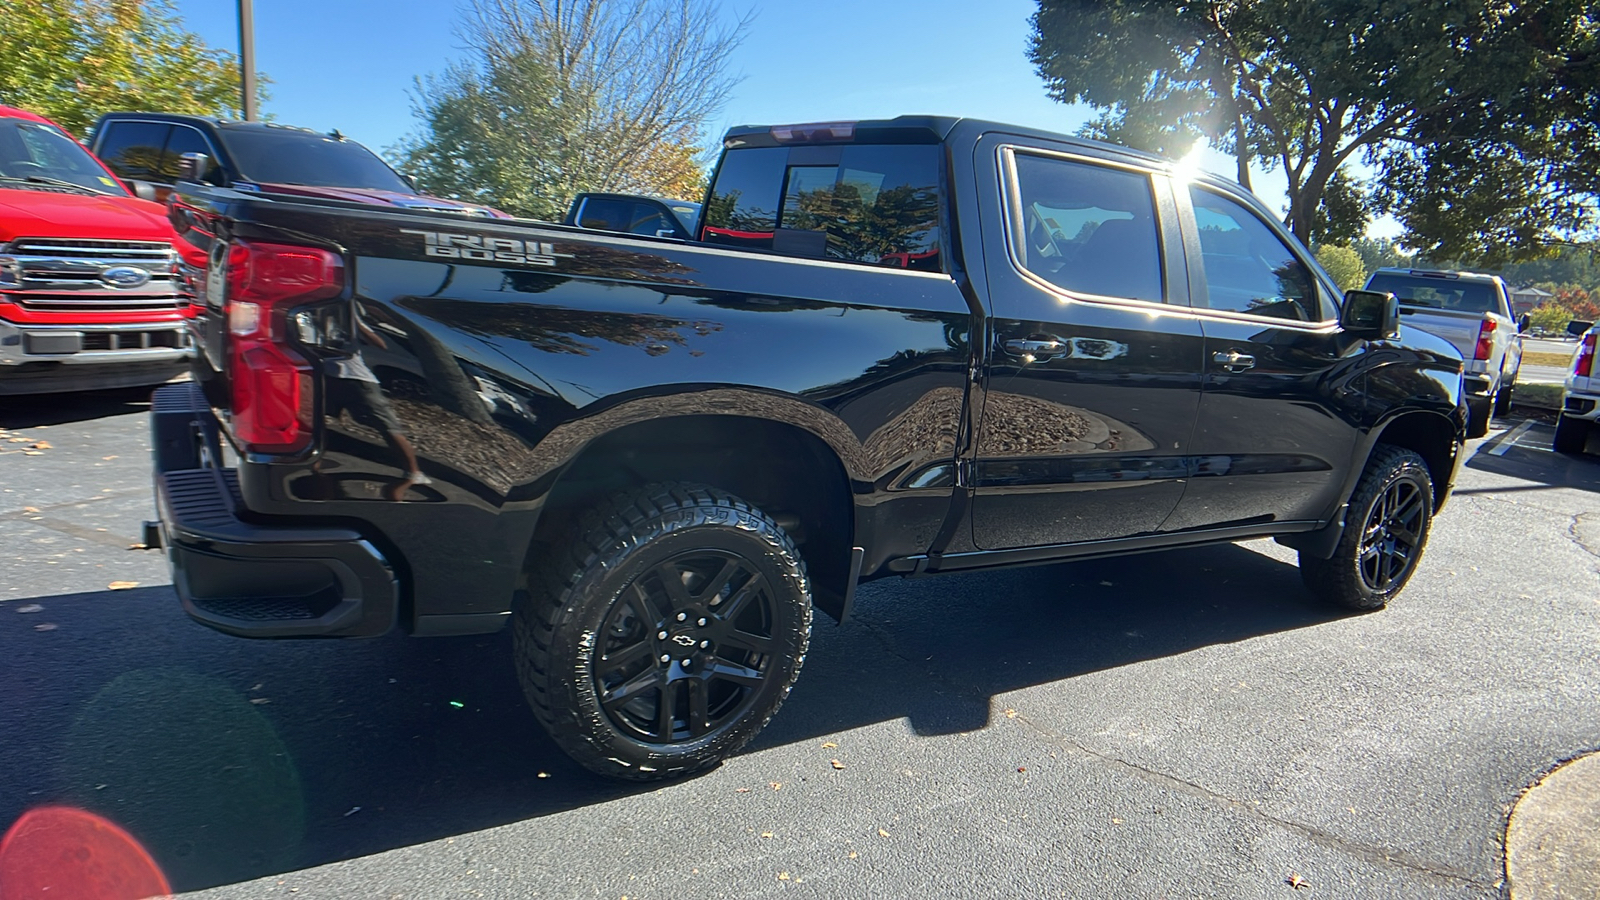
(247, 59)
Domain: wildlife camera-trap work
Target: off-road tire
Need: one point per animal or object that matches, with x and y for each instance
(1572, 435)
(1361, 573)
(582, 603)
(1502, 400)
(1479, 410)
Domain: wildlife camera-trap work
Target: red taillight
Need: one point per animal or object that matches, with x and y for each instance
(272, 394)
(1485, 347)
(1583, 365)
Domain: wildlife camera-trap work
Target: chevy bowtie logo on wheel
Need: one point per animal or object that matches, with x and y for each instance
(683, 639)
(482, 248)
(125, 277)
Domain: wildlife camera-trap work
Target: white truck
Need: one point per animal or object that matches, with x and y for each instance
(1473, 312)
(1580, 407)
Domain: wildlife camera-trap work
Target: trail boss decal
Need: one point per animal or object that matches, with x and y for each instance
(479, 248)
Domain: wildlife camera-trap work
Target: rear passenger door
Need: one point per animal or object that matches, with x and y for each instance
(1280, 411)
(1096, 361)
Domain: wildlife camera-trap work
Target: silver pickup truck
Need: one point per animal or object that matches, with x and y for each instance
(1473, 312)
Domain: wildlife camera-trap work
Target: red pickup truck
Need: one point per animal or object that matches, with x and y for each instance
(91, 293)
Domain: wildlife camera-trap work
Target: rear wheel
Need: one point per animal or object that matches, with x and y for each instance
(666, 635)
(1385, 531)
(1571, 435)
(1502, 401)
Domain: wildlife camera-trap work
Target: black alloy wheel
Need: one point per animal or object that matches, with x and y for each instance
(1386, 529)
(1391, 540)
(686, 647)
(666, 634)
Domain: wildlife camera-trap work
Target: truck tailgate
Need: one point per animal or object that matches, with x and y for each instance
(1459, 328)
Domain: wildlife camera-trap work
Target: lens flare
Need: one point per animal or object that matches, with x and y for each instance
(58, 851)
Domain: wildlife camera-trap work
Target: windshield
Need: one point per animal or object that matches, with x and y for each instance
(40, 154)
(1437, 293)
(283, 156)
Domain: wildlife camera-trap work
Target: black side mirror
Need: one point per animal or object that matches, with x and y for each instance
(144, 190)
(1370, 314)
(1522, 323)
(193, 166)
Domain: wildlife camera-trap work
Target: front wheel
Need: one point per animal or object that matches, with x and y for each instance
(1385, 531)
(1571, 435)
(666, 635)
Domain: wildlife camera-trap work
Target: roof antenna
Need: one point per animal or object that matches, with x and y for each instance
(336, 135)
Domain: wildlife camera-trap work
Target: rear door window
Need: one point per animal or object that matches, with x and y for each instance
(133, 149)
(1088, 228)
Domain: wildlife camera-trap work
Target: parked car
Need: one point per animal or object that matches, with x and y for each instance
(1473, 312)
(90, 293)
(1580, 403)
(652, 458)
(634, 214)
(147, 149)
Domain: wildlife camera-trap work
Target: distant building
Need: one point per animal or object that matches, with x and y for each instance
(1528, 299)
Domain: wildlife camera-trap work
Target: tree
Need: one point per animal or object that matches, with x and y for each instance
(1344, 264)
(1473, 114)
(1550, 317)
(563, 97)
(71, 60)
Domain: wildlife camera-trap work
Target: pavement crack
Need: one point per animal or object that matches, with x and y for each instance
(1582, 529)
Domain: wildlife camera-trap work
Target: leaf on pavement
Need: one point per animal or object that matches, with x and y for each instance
(33, 453)
(30, 509)
(852, 854)
(1296, 882)
(30, 608)
(882, 833)
(829, 745)
(783, 876)
(741, 790)
(41, 445)
(835, 763)
(122, 585)
(46, 626)
(766, 834)
(1011, 714)
(112, 456)
(775, 785)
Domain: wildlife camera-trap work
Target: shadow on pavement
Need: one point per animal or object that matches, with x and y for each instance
(233, 759)
(34, 410)
(1528, 455)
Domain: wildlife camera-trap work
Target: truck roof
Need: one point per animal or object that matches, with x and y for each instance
(921, 129)
(213, 122)
(11, 112)
(1450, 274)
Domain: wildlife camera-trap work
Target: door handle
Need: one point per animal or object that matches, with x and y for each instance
(1037, 349)
(1233, 360)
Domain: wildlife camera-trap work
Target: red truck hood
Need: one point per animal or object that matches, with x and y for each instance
(25, 213)
(378, 197)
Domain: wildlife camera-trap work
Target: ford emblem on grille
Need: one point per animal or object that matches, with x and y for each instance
(125, 276)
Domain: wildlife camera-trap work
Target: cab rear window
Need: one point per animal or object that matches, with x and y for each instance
(876, 204)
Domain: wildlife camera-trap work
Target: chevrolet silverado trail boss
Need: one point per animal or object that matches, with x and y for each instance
(90, 289)
(896, 347)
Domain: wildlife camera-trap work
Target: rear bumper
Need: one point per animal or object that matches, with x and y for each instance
(247, 579)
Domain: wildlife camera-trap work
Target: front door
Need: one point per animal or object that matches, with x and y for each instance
(1281, 406)
(1094, 383)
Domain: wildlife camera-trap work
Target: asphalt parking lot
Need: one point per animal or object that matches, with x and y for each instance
(1187, 723)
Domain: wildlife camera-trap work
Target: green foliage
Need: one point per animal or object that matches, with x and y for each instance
(1378, 253)
(1550, 317)
(1477, 116)
(592, 95)
(1344, 264)
(71, 60)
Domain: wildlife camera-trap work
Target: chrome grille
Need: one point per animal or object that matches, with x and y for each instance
(59, 275)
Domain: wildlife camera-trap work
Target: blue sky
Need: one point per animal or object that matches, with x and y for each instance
(350, 64)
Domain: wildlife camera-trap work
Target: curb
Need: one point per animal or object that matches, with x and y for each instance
(1553, 836)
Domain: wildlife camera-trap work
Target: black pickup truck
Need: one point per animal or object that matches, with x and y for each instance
(893, 348)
